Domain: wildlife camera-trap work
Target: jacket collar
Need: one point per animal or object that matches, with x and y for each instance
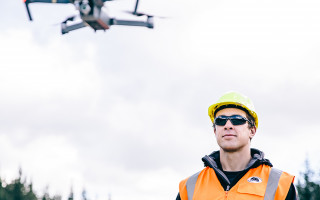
(213, 160)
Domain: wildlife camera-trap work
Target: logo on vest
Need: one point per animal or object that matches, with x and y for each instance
(254, 179)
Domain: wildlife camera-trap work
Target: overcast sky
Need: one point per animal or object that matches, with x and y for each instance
(124, 112)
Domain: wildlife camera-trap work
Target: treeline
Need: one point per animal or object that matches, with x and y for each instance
(19, 189)
(308, 185)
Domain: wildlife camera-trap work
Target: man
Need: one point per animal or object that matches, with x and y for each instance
(236, 171)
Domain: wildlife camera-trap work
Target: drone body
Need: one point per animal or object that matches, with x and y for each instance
(92, 15)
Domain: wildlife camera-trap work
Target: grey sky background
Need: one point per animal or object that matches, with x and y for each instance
(124, 112)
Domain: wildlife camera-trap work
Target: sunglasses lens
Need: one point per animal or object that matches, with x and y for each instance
(220, 121)
(238, 121)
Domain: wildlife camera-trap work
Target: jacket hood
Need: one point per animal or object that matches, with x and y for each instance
(213, 160)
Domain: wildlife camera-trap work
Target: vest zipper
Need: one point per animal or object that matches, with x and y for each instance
(227, 190)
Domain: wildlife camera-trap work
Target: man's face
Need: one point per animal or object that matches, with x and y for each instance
(232, 138)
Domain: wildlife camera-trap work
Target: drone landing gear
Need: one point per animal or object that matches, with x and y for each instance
(66, 29)
(148, 23)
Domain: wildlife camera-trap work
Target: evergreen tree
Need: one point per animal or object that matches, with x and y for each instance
(308, 188)
(71, 195)
(57, 197)
(30, 195)
(17, 190)
(46, 194)
(3, 191)
(84, 195)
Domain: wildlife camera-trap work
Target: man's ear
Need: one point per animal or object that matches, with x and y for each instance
(253, 131)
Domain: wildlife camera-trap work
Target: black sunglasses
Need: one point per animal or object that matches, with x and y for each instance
(235, 120)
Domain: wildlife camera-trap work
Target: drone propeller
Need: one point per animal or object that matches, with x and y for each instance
(136, 8)
(28, 11)
(71, 18)
(27, 2)
(139, 14)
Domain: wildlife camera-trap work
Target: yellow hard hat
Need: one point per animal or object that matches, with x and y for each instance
(237, 99)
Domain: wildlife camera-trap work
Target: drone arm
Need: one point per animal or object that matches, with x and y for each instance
(66, 29)
(148, 23)
(48, 1)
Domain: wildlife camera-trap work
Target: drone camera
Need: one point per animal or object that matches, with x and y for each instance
(85, 9)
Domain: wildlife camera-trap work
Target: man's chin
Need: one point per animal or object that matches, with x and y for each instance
(230, 148)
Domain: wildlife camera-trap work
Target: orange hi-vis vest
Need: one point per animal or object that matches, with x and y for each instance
(261, 183)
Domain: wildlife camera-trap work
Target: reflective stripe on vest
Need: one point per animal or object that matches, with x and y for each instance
(272, 184)
(271, 189)
(191, 184)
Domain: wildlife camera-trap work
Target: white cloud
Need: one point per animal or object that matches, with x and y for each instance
(36, 71)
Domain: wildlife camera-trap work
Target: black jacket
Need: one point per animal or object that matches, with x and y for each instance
(213, 161)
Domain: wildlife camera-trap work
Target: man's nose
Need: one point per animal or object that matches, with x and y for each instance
(228, 125)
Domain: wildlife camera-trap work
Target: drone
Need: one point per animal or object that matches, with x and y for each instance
(92, 15)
